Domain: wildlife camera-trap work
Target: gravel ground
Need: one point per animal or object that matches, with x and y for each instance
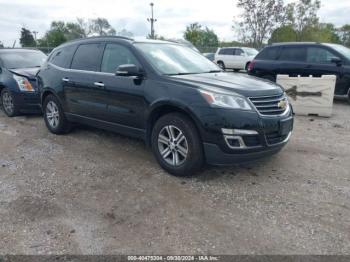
(95, 192)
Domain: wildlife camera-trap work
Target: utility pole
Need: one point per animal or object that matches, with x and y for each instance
(35, 33)
(152, 21)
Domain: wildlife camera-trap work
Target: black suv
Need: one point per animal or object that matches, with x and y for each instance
(172, 97)
(305, 59)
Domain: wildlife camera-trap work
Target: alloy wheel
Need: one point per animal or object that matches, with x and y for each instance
(7, 102)
(172, 145)
(52, 114)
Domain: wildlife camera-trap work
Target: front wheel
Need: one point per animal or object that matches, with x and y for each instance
(54, 117)
(176, 145)
(8, 104)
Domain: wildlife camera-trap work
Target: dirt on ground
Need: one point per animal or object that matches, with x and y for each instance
(95, 192)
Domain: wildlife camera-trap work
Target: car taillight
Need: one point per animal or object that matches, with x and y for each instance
(251, 66)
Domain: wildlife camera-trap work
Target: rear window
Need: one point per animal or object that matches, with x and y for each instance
(269, 53)
(63, 56)
(88, 57)
(293, 53)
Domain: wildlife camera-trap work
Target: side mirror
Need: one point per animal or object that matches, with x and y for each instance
(337, 61)
(129, 70)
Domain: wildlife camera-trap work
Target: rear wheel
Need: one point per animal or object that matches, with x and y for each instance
(247, 66)
(236, 70)
(8, 104)
(221, 65)
(54, 117)
(176, 145)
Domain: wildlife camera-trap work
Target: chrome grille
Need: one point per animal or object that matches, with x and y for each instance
(269, 105)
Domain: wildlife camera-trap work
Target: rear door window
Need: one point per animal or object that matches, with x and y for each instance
(269, 53)
(88, 57)
(63, 56)
(293, 54)
(319, 55)
(116, 55)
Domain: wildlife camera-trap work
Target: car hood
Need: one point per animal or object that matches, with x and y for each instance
(27, 72)
(231, 82)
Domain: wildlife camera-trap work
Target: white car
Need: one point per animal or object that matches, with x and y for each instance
(236, 58)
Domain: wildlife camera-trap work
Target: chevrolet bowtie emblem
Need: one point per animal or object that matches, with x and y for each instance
(282, 104)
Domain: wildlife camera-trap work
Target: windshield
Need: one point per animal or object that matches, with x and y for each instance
(341, 49)
(251, 51)
(174, 59)
(22, 59)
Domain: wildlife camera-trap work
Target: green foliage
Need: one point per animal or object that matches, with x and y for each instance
(27, 38)
(283, 34)
(200, 36)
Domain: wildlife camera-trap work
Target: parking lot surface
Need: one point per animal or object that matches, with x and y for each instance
(95, 192)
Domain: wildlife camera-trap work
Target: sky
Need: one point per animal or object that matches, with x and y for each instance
(172, 15)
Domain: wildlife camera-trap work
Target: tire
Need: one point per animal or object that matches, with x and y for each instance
(221, 65)
(236, 70)
(184, 155)
(247, 66)
(54, 117)
(7, 102)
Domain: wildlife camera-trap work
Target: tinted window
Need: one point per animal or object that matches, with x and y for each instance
(319, 55)
(116, 55)
(22, 58)
(88, 57)
(226, 51)
(239, 52)
(62, 57)
(269, 53)
(293, 53)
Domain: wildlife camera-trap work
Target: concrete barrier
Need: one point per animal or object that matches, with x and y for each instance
(310, 95)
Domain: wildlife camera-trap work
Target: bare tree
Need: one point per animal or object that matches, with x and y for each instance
(259, 19)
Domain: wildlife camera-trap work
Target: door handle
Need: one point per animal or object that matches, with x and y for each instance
(65, 79)
(99, 84)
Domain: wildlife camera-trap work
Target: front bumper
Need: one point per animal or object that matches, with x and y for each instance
(27, 102)
(215, 156)
(253, 136)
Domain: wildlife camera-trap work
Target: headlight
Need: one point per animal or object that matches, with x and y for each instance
(226, 101)
(23, 83)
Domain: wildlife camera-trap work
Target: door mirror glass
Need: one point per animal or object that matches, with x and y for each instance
(129, 70)
(336, 60)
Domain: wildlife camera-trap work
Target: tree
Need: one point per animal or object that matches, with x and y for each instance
(344, 35)
(1, 45)
(283, 34)
(100, 26)
(200, 37)
(259, 19)
(27, 38)
(303, 16)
